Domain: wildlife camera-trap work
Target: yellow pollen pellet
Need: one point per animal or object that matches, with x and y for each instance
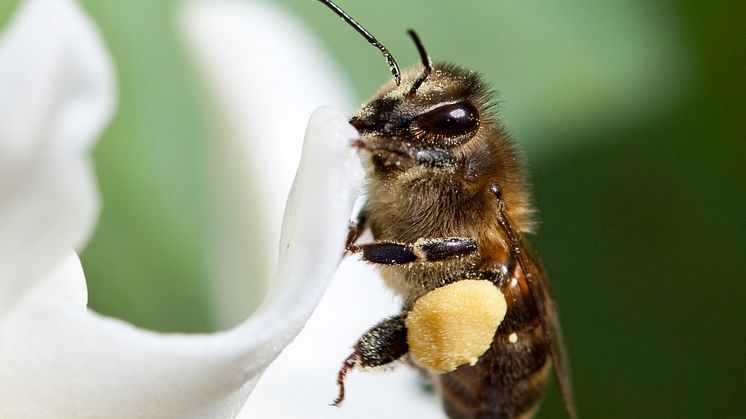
(455, 324)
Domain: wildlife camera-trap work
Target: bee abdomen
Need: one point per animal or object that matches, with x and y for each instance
(507, 382)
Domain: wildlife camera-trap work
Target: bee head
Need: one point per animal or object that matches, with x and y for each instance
(427, 120)
(420, 117)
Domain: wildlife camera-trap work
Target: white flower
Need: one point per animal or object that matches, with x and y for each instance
(59, 359)
(56, 94)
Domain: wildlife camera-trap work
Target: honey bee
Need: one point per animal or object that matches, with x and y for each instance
(447, 201)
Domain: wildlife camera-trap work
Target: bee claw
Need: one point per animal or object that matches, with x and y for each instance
(347, 366)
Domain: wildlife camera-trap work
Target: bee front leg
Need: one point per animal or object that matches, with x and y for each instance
(430, 250)
(356, 227)
(381, 345)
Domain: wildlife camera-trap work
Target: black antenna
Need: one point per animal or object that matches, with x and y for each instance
(425, 61)
(373, 41)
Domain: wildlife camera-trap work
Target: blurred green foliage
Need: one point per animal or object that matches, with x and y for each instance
(144, 262)
(638, 173)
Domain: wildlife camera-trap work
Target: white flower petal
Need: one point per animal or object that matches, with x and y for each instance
(264, 73)
(56, 357)
(56, 95)
(306, 371)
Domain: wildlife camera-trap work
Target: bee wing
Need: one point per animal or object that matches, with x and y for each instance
(539, 285)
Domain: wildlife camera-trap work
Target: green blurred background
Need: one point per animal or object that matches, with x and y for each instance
(631, 114)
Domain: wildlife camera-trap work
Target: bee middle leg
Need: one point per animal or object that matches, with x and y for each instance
(430, 250)
(381, 345)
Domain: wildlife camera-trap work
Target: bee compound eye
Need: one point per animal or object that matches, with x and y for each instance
(449, 122)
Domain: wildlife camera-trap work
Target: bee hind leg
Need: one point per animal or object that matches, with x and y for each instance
(381, 345)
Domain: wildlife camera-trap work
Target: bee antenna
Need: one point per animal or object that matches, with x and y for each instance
(370, 38)
(425, 62)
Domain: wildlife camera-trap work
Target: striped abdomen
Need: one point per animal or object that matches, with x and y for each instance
(510, 378)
